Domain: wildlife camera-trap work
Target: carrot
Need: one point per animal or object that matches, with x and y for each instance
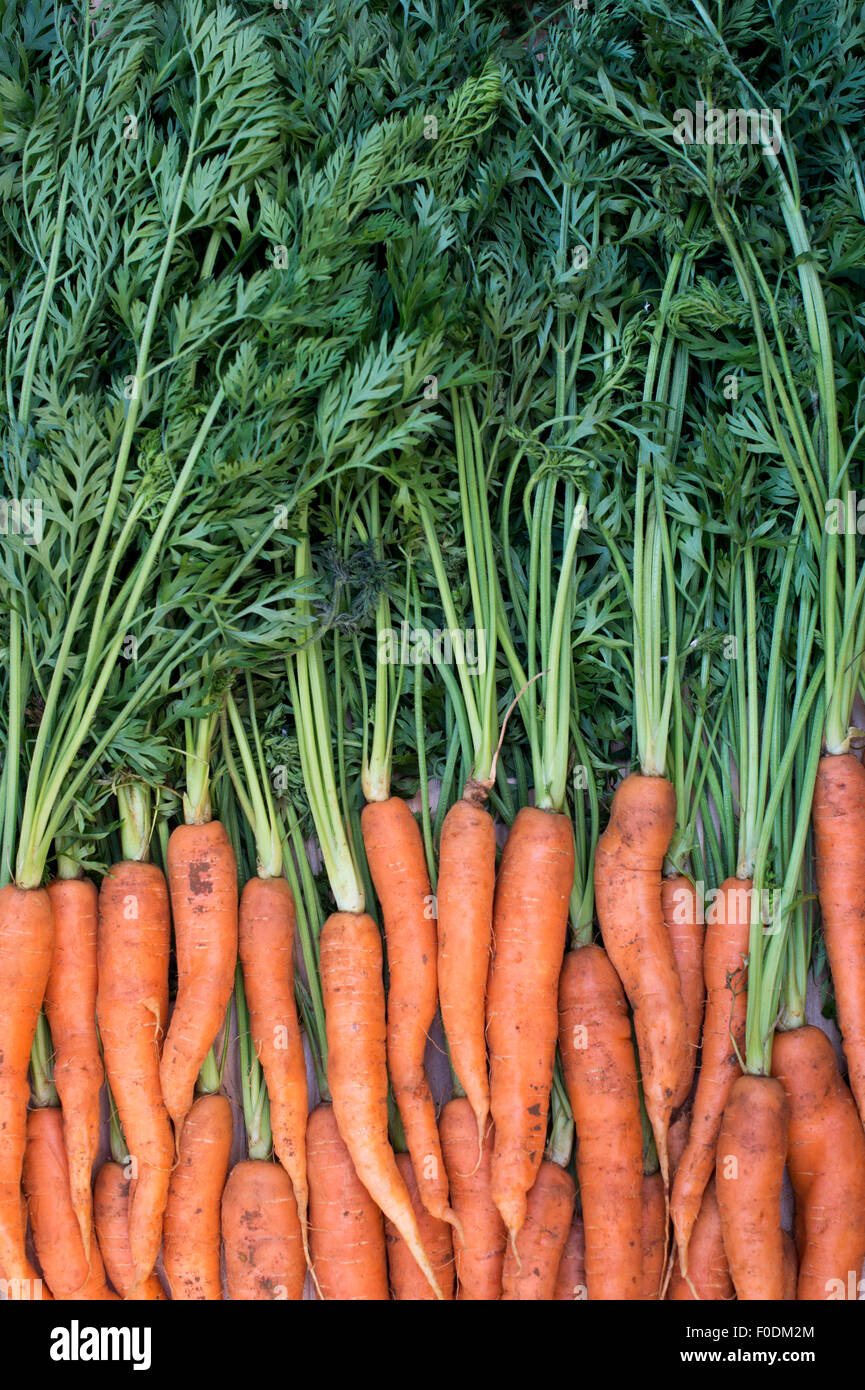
(571, 1278)
(134, 941)
(70, 1006)
(266, 940)
(600, 1073)
(480, 1240)
(826, 1162)
(708, 1278)
(202, 877)
(346, 1229)
(677, 1139)
(531, 1271)
(26, 941)
(407, 1282)
(724, 956)
(654, 1235)
(466, 886)
(264, 1257)
(838, 816)
(351, 978)
(684, 919)
(191, 1227)
(628, 863)
(530, 919)
(752, 1147)
(68, 1271)
(111, 1193)
(791, 1269)
(394, 849)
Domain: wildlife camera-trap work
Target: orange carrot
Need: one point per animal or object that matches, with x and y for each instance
(264, 1257)
(346, 1230)
(530, 919)
(192, 1222)
(684, 919)
(266, 940)
(708, 1278)
(531, 1272)
(571, 1278)
(134, 941)
(724, 956)
(826, 1161)
(70, 1006)
(111, 1193)
(677, 1139)
(628, 863)
(466, 886)
(407, 1282)
(68, 1271)
(752, 1147)
(26, 941)
(601, 1078)
(394, 849)
(202, 877)
(838, 815)
(791, 1269)
(480, 1240)
(351, 979)
(654, 1235)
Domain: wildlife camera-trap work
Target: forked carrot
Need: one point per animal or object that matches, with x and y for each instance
(111, 1194)
(531, 1271)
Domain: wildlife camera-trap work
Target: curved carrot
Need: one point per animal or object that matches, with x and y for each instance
(266, 941)
(202, 878)
(724, 964)
(531, 1271)
(264, 1256)
(70, 1006)
(628, 863)
(346, 1229)
(826, 1162)
(600, 1072)
(407, 1282)
(466, 887)
(394, 850)
(571, 1278)
(530, 919)
(26, 941)
(752, 1147)
(111, 1193)
(708, 1278)
(68, 1271)
(654, 1235)
(192, 1222)
(838, 815)
(134, 941)
(480, 1239)
(684, 919)
(351, 979)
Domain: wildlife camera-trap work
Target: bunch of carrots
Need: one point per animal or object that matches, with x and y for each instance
(432, 816)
